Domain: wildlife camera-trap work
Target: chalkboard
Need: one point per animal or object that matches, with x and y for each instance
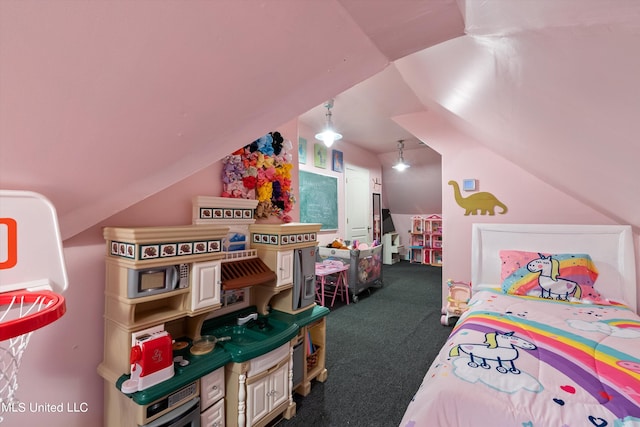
(319, 200)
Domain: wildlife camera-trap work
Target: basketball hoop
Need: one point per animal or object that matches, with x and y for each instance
(21, 313)
(32, 279)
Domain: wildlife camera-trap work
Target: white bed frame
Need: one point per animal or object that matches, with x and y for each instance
(610, 247)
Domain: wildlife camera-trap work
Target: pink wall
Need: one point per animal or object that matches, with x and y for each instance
(59, 366)
(66, 362)
(105, 103)
(121, 122)
(529, 200)
(414, 191)
(70, 370)
(352, 156)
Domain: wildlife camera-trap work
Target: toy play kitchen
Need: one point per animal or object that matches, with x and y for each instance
(204, 325)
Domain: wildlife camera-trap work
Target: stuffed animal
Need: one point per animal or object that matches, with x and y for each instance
(337, 244)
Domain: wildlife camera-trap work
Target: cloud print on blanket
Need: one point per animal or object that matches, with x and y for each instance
(494, 379)
(618, 329)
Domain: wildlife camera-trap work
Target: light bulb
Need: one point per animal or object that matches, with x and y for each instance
(328, 137)
(400, 166)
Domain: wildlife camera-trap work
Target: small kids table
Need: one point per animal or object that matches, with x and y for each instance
(329, 268)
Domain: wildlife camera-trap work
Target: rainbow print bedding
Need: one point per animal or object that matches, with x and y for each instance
(528, 362)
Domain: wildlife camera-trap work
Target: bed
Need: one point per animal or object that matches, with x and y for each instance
(528, 354)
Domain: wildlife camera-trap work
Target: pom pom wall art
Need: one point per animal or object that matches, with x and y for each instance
(262, 170)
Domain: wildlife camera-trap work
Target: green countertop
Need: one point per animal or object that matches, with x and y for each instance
(304, 318)
(255, 338)
(284, 328)
(198, 367)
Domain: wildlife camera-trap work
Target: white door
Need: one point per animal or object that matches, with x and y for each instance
(358, 203)
(285, 268)
(205, 284)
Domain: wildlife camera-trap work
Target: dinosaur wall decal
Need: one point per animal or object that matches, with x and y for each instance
(482, 203)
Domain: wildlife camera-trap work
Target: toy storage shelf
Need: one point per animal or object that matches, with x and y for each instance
(145, 312)
(315, 364)
(426, 240)
(391, 248)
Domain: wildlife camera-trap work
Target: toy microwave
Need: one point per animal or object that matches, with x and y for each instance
(157, 280)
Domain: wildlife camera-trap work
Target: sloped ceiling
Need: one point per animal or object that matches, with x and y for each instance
(550, 88)
(103, 104)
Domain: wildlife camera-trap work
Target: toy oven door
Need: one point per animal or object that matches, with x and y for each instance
(185, 415)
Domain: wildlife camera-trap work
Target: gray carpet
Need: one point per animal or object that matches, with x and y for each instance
(378, 351)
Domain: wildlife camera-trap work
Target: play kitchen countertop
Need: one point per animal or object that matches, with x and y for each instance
(198, 367)
(303, 318)
(253, 339)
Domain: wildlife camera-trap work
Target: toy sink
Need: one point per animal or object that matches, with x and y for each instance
(254, 338)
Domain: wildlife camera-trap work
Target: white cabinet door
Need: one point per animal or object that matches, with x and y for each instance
(279, 391)
(264, 395)
(257, 400)
(212, 388)
(205, 284)
(214, 416)
(285, 268)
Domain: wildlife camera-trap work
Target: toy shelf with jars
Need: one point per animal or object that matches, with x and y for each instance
(426, 240)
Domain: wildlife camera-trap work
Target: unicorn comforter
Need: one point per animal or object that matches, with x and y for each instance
(528, 362)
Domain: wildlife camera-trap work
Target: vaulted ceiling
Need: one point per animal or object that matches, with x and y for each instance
(104, 103)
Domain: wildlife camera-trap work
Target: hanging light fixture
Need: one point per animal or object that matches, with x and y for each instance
(401, 165)
(328, 135)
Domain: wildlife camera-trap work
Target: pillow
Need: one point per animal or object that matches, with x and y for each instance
(554, 276)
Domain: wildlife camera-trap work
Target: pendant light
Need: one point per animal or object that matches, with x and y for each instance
(401, 165)
(328, 135)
